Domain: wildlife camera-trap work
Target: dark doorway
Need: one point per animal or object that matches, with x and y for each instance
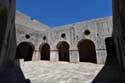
(45, 51)
(109, 45)
(111, 52)
(87, 52)
(25, 51)
(63, 51)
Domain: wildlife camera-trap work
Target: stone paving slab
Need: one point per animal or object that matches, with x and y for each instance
(60, 72)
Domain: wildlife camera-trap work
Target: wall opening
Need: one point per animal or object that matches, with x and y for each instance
(25, 51)
(44, 38)
(87, 32)
(27, 36)
(63, 51)
(63, 35)
(109, 45)
(87, 51)
(111, 53)
(45, 51)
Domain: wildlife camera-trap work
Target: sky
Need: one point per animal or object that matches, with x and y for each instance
(61, 12)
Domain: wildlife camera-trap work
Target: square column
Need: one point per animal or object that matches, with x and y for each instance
(54, 56)
(36, 55)
(101, 56)
(74, 56)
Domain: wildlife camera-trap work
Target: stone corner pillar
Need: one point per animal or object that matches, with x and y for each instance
(54, 56)
(36, 55)
(101, 56)
(74, 56)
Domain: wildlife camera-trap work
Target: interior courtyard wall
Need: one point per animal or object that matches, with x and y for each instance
(99, 30)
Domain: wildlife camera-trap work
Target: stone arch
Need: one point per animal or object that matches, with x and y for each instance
(25, 51)
(63, 51)
(109, 45)
(3, 23)
(45, 51)
(87, 51)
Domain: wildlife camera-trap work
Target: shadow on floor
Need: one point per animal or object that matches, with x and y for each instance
(12, 75)
(110, 73)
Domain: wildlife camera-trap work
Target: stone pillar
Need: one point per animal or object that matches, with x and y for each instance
(7, 33)
(119, 30)
(36, 55)
(54, 56)
(74, 56)
(101, 56)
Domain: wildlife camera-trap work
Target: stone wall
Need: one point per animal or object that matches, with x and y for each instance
(99, 30)
(29, 22)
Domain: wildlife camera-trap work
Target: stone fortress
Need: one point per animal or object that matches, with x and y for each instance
(88, 41)
(94, 41)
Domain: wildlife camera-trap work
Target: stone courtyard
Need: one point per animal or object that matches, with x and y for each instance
(60, 72)
(64, 72)
(73, 53)
(92, 51)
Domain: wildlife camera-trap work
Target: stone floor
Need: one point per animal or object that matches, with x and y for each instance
(60, 72)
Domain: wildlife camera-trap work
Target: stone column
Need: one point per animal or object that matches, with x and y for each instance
(36, 55)
(74, 56)
(119, 30)
(101, 56)
(54, 56)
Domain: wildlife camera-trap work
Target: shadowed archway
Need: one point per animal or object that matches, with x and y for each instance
(111, 52)
(45, 51)
(25, 51)
(87, 52)
(63, 51)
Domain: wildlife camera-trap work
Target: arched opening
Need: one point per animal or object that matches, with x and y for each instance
(109, 45)
(45, 51)
(63, 51)
(3, 23)
(87, 52)
(111, 53)
(25, 51)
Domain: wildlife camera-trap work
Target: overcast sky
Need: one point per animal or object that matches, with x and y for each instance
(60, 12)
